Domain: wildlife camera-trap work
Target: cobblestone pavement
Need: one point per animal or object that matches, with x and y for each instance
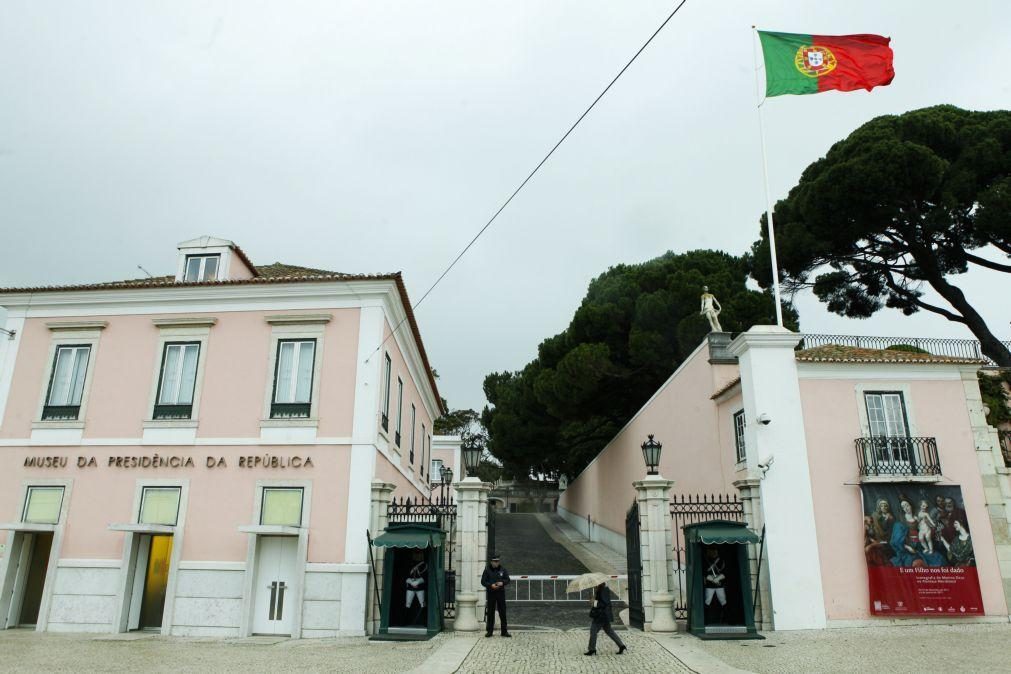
(909, 648)
(550, 652)
(28, 651)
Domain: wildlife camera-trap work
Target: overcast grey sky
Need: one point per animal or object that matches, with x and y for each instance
(376, 136)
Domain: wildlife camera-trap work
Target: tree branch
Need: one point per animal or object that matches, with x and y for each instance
(989, 264)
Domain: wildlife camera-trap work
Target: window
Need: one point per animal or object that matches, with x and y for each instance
(66, 385)
(201, 268)
(160, 505)
(388, 370)
(42, 505)
(436, 471)
(424, 438)
(739, 424)
(889, 429)
(293, 374)
(281, 507)
(413, 414)
(886, 414)
(400, 409)
(176, 380)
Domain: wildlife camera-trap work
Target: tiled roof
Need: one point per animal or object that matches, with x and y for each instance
(726, 387)
(835, 353)
(270, 273)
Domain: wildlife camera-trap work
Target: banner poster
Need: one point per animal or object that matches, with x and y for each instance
(918, 547)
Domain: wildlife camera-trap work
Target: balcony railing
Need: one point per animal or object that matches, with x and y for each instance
(956, 348)
(1005, 446)
(897, 457)
(61, 412)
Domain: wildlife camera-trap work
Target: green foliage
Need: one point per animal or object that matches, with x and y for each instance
(995, 396)
(906, 348)
(898, 206)
(636, 324)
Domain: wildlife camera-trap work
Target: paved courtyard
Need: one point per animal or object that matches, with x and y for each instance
(898, 650)
(908, 648)
(536, 652)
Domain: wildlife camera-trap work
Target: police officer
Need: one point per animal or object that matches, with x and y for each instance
(495, 578)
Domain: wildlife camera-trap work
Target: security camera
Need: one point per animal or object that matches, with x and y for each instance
(764, 419)
(765, 464)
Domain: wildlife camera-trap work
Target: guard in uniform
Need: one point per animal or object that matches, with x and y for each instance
(495, 578)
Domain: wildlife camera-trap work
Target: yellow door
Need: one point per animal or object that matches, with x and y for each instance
(155, 582)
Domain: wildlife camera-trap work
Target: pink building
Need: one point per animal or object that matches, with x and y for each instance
(195, 453)
(805, 445)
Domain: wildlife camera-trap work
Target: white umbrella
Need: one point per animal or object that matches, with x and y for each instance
(586, 581)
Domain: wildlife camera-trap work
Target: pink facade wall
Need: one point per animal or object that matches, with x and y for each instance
(832, 422)
(387, 472)
(411, 395)
(448, 458)
(221, 499)
(686, 421)
(235, 378)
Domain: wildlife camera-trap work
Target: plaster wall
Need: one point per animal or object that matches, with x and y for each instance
(682, 417)
(233, 387)
(221, 499)
(936, 409)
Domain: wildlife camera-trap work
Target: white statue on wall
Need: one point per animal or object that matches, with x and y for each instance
(711, 309)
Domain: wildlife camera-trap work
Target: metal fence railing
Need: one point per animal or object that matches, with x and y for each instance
(552, 588)
(938, 346)
(888, 456)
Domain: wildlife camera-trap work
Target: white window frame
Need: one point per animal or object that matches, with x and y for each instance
(384, 412)
(62, 334)
(143, 495)
(296, 358)
(28, 495)
(863, 388)
(436, 472)
(301, 511)
(740, 443)
(294, 327)
(400, 412)
(424, 438)
(201, 271)
(414, 417)
(180, 329)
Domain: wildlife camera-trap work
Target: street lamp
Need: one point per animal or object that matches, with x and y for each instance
(472, 459)
(447, 475)
(651, 454)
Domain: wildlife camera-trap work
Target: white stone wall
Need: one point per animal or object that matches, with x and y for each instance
(208, 602)
(84, 597)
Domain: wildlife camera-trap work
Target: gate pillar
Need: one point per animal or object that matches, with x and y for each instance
(382, 493)
(472, 543)
(653, 497)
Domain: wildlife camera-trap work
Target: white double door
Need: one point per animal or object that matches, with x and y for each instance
(274, 603)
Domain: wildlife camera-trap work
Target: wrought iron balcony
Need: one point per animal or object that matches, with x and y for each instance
(1005, 446)
(897, 457)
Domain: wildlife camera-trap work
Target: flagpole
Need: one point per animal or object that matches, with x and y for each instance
(768, 197)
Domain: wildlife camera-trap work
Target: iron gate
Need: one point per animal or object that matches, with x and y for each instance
(691, 509)
(442, 512)
(636, 615)
(490, 544)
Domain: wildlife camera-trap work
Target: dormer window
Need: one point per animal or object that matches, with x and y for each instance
(201, 268)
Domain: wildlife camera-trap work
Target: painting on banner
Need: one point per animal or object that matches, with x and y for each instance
(919, 551)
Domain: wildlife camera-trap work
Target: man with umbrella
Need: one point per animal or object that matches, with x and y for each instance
(494, 579)
(601, 614)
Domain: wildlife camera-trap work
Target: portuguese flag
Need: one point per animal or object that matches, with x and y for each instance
(809, 64)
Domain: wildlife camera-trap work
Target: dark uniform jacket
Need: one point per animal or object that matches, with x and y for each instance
(490, 576)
